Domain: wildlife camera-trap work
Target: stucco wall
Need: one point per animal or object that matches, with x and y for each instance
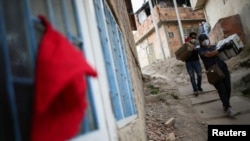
(158, 51)
(170, 45)
(216, 10)
(135, 130)
(142, 53)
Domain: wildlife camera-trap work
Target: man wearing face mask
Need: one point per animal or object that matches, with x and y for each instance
(209, 56)
(193, 65)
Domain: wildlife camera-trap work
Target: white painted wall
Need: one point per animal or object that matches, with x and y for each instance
(142, 54)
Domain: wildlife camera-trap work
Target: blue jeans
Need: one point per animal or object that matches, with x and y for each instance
(192, 68)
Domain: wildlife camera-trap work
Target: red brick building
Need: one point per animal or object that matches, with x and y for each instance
(151, 48)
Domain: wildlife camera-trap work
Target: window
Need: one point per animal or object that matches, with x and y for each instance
(17, 60)
(18, 46)
(187, 31)
(116, 63)
(142, 16)
(184, 2)
(145, 12)
(149, 50)
(63, 16)
(171, 34)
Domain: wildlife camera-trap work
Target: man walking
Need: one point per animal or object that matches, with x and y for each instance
(193, 65)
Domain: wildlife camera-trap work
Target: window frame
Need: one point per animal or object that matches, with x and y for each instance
(32, 41)
(78, 40)
(86, 21)
(93, 53)
(126, 119)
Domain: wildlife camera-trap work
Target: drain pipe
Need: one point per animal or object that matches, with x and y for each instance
(179, 22)
(156, 29)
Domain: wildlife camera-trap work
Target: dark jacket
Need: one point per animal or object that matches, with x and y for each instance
(194, 56)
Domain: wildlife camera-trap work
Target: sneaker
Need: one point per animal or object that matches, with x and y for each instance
(196, 93)
(230, 112)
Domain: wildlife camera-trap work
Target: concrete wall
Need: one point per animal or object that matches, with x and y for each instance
(142, 53)
(159, 52)
(170, 45)
(135, 130)
(216, 10)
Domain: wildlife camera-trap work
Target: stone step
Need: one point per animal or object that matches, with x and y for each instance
(188, 90)
(205, 98)
(214, 109)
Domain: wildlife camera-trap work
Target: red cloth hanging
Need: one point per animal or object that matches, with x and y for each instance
(60, 101)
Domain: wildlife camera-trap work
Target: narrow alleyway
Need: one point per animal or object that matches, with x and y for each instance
(169, 95)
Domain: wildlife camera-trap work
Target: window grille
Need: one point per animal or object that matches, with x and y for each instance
(116, 63)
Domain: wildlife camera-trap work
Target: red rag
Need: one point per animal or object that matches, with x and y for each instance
(60, 86)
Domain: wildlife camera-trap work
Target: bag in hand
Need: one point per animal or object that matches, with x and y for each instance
(214, 74)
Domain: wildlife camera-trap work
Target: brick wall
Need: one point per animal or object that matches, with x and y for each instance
(167, 23)
(164, 15)
(226, 27)
(175, 42)
(143, 28)
(184, 13)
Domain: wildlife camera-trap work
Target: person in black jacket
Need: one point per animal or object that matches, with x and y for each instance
(209, 56)
(193, 65)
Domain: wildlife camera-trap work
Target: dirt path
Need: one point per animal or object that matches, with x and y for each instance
(163, 101)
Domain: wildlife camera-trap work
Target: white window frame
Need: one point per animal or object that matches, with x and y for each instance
(107, 125)
(93, 53)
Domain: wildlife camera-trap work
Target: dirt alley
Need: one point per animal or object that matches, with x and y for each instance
(162, 99)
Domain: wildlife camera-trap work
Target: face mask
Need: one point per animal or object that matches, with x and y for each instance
(192, 40)
(205, 42)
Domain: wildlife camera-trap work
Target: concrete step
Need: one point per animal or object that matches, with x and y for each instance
(188, 90)
(205, 98)
(214, 109)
